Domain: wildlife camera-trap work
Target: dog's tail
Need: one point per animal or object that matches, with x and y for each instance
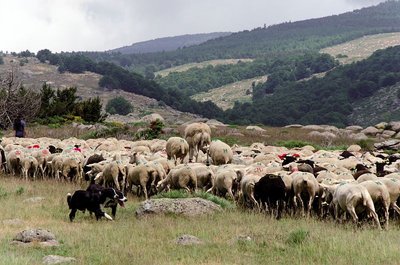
(69, 197)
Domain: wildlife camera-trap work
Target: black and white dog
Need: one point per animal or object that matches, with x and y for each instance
(92, 199)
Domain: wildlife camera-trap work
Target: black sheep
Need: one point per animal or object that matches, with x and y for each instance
(360, 170)
(271, 190)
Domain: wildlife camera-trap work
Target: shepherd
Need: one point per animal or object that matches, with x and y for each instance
(19, 127)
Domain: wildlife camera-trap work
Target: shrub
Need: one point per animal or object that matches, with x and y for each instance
(119, 105)
(292, 144)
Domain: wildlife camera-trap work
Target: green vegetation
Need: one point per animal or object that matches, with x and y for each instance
(152, 132)
(119, 105)
(61, 105)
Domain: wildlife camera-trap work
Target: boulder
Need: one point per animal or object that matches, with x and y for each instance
(255, 128)
(215, 123)
(358, 136)
(39, 236)
(354, 128)
(397, 136)
(395, 126)
(354, 148)
(54, 259)
(34, 200)
(313, 127)
(382, 125)
(294, 126)
(152, 117)
(330, 128)
(371, 131)
(393, 144)
(188, 240)
(186, 207)
(388, 133)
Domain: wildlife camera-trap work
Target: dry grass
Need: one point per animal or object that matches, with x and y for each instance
(225, 96)
(128, 240)
(362, 48)
(185, 67)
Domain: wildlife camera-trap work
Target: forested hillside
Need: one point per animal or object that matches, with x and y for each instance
(169, 43)
(273, 41)
(326, 100)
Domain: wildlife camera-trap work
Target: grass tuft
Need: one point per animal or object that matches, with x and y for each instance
(297, 237)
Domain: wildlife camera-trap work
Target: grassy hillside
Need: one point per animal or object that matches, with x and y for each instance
(33, 74)
(362, 48)
(226, 96)
(185, 67)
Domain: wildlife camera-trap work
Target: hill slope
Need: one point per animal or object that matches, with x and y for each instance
(277, 40)
(169, 43)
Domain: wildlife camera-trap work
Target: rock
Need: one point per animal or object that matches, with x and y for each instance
(294, 126)
(188, 240)
(388, 133)
(354, 148)
(236, 134)
(308, 148)
(395, 126)
(327, 135)
(397, 136)
(13, 222)
(34, 199)
(152, 117)
(54, 259)
(39, 236)
(313, 127)
(358, 136)
(390, 144)
(213, 122)
(255, 128)
(372, 131)
(354, 128)
(382, 125)
(243, 238)
(186, 207)
(330, 128)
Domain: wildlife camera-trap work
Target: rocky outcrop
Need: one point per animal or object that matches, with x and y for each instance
(186, 207)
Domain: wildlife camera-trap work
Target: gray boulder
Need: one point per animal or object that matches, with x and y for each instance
(31, 236)
(188, 240)
(54, 259)
(186, 207)
(371, 131)
(355, 128)
(395, 126)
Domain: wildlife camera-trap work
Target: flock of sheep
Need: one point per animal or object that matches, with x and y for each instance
(365, 185)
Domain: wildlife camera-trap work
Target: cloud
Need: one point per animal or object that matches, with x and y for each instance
(65, 25)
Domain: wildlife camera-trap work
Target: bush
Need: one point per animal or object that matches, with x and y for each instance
(119, 105)
(292, 144)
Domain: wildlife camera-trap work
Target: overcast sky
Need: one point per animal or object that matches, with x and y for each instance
(98, 25)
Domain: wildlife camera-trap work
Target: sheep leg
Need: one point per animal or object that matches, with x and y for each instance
(298, 197)
(395, 207)
(310, 202)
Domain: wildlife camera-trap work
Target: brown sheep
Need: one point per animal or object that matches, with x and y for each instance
(197, 135)
(179, 178)
(177, 147)
(141, 176)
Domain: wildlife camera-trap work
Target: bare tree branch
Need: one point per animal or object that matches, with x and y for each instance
(15, 99)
